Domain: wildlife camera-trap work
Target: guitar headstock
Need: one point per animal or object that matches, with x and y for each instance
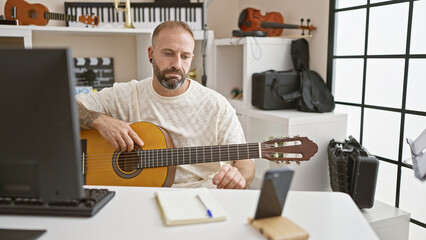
(89, 19)
(308, 27)
(289, 149)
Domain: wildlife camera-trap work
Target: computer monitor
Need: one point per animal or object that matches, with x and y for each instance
(39, 129)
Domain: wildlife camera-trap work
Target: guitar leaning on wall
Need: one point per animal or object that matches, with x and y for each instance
(38, 14)
(154, 164)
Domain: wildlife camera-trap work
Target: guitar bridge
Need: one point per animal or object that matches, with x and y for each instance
(14, 12)
(83, 143)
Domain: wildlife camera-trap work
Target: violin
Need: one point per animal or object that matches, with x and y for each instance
(272, 23)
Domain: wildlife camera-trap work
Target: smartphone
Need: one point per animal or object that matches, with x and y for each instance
(273, 193)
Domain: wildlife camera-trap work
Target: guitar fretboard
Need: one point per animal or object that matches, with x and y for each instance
(59, 16)
(146, 15)
(193, 155)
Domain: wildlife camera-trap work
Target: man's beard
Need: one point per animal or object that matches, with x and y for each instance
(172, 82)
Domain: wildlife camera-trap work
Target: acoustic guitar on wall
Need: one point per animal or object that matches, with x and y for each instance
(154, 164)
(38, 14)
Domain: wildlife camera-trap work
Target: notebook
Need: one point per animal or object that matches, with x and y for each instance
(188, 206)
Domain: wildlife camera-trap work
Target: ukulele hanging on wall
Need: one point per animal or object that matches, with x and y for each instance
(38, 14)
(272, 23)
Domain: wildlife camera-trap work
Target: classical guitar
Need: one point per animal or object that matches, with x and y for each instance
(38, 14)
(272, 23)
(154, 164)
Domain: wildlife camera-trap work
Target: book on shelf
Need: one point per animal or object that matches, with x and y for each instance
(188, 206)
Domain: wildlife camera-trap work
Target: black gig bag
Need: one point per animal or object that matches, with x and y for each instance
(314, 94)
(275, 89)
(353, 171)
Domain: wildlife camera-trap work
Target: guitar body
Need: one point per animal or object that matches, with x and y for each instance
(26, 13)
(105, 166)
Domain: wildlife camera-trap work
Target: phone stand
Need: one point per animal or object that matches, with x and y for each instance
(279, 228)
(267, 219)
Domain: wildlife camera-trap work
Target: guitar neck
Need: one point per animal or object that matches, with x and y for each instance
(279, 25)
(59, 16)
(193, 155)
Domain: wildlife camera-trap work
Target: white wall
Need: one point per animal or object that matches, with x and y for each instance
(223, 18)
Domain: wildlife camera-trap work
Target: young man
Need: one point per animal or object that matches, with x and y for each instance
(192, 114)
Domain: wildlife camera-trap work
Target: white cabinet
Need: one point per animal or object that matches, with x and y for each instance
(235, 61)
(388, 222)
(319, 127)
(128, 47)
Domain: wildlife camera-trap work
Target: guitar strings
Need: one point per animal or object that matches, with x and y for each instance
(95, 164)
(183, 151)
(134, 155)
(239, 147)
(105, 163)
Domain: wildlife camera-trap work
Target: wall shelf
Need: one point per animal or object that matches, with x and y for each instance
(236, 59)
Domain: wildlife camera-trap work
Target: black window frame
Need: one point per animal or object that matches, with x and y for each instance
(407, 56)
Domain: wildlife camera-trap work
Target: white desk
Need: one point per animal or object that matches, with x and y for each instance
(133, 214)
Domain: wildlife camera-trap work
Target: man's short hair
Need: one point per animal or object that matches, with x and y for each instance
(171, 25)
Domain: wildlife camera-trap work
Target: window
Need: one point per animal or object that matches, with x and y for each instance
(377, 73)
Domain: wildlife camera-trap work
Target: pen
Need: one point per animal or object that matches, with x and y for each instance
(207, 209)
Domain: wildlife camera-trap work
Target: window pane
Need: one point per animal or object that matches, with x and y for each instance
(417, 232)
(348, 80)
(354, 118)
(416, 95)
(388, 29)
(349, 3)
(385, 79)
(413, 195)
(386, 183)
(381, 133)
(350, 32)
(418, 33)
(414, 126)
(377, 1)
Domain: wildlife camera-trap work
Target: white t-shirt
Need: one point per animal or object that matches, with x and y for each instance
(197, 117)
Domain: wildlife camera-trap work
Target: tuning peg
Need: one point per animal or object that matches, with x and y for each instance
(307, 25)
(301, 24)
(298, 163)
(287, 162)
(279, 162)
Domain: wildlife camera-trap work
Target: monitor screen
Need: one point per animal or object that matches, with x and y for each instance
(39, 129)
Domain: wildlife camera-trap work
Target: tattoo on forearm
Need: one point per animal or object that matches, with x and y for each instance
(86, 117)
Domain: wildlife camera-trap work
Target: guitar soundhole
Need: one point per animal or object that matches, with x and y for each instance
(128, 161)
(125, 164)
(32, 13)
